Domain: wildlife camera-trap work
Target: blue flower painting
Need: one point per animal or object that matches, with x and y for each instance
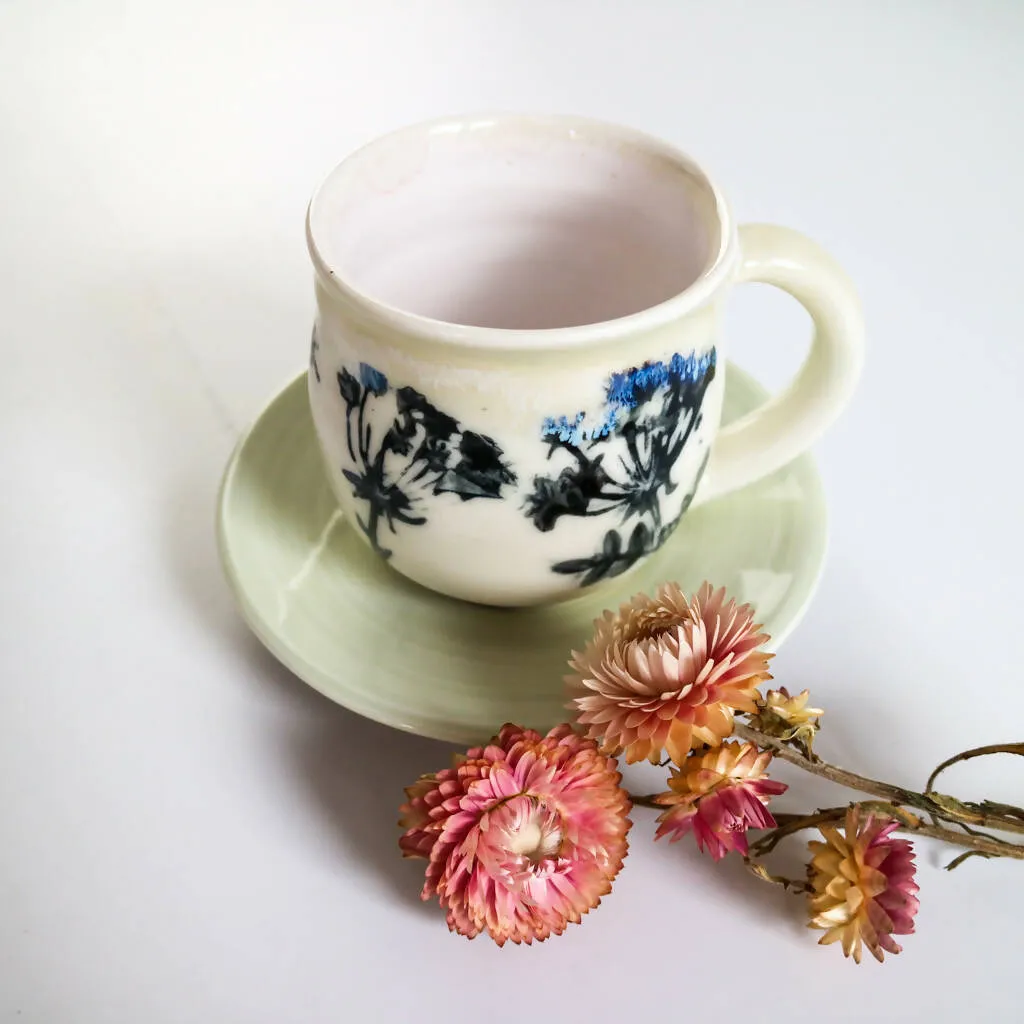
(652, 411)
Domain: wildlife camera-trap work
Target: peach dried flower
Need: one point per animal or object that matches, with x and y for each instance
(665, 673)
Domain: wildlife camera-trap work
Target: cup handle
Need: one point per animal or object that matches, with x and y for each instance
(790, 422)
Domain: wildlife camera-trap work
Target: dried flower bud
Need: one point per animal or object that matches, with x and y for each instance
(788, 718)
(719, 795)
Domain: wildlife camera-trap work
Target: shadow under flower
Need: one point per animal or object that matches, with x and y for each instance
(346, 774)
(351, 773)
(686, 868)
(729, 878)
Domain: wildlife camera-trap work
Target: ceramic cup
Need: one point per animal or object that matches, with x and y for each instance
(517, 363)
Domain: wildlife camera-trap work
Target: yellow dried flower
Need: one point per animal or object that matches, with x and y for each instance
(862, 886)
(788, 717)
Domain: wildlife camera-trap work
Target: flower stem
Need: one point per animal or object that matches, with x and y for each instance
(966, 755)
(789, 884)
(788, 824)
(646, 800)
(937, 804)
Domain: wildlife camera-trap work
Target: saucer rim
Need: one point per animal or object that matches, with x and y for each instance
(814, 556)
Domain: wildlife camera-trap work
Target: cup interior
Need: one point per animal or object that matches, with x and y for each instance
(516, 223)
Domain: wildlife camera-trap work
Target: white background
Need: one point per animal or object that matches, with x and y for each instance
(189, 834)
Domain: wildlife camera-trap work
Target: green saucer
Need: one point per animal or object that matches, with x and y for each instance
(345, 623)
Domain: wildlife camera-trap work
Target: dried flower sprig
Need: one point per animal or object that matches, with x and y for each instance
(526, 835)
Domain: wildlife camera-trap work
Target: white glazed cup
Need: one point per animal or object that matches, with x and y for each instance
(517, 364)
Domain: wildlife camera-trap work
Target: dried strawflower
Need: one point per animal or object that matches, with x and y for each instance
(523, 836)
(719, 795)
(787, 717)
(668, 674)
(863, 886)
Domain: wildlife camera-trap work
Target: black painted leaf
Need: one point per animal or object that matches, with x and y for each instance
(639, 541)
(600, 571)
(597, 567)
(609, 561)
(573, 566)
(612, 544)
(314, 347)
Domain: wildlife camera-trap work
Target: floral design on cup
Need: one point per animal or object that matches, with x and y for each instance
(423, 450)
(649, 415)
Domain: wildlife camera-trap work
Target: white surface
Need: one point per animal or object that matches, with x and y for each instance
(190, 835)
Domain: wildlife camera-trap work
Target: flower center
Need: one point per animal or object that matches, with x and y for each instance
(653, 625)
(527, 840)
(536, 836)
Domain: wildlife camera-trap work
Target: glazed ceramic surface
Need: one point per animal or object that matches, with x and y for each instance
(516, 368)
(334, 612)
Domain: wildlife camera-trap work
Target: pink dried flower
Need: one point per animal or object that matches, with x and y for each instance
(667, 673)
(863, 885)
(719, 795)
(523, 836)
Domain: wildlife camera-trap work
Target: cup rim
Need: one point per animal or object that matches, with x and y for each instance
(717, 271)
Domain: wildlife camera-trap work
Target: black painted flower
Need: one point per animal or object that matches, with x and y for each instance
(648, 472)
(396, 440)
(480, 471)
(570, 493)
(420, 413)
(432, 458)
(420, 444)
(386, 499)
